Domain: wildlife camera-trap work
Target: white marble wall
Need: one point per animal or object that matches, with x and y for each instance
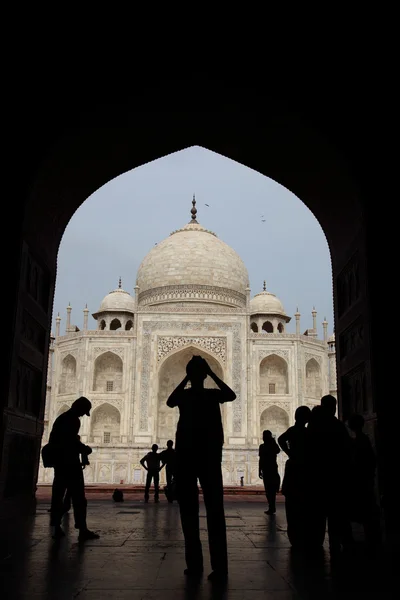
(156, 336)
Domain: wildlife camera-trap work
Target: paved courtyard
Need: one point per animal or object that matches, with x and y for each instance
(140, 555)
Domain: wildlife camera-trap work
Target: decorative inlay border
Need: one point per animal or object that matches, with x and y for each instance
(309, 356)
(268, 352)
(263, 404)
(98, 350)
(213, 345)
(192, 292)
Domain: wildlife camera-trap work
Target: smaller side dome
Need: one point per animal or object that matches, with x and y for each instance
(266, 303)
(117, 301)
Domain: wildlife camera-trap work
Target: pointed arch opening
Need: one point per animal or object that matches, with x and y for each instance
(105, 424)
(268, 327)
(276, 420)
(274, 375)
(67, 384)
(115, 324)
(313, 379)
(108, 369)
(254, 327)
(171, 373)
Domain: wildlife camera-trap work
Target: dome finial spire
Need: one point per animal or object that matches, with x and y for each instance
(264, 286)
(119, 283)
(194, 210)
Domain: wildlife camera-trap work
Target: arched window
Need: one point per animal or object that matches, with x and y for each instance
(108, 373)
(102, 324)
(105, 424)
(129, 325)
(274, 375)
(67, 384)
(268, 327)
(313, 379)
(115, 324)
(280, 327)
(254, 327)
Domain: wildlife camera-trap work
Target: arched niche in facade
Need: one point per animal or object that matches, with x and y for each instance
(274, 375)
(108, 369)
(275, 419)
(268, 327)
(105, 424)
(313, 379)
(171, 373)
(67, 384)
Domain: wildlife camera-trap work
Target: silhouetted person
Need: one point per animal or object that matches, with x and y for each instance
(152, 463)
(66, 449)
(168, 458)
(268, 469)
(199, 441)
(329, 455)
(363, 465)
(294, 488)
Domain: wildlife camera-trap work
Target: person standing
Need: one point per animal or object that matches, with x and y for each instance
(294, 485)
(152, 463)
(66, 448)
(199, 441)
(168, 459)
(268, 469)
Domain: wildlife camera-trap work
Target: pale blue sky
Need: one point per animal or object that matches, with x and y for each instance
(113, 230)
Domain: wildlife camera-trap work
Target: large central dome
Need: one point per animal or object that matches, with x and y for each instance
(192, 265)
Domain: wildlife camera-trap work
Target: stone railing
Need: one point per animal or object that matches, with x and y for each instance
(286, 336)
(96, 333)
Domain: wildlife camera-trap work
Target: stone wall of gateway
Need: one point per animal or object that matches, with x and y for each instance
(112, 466)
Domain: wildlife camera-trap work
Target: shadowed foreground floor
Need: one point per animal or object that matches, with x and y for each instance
(140, 556)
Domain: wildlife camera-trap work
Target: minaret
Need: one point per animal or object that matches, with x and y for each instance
(58, 321)
(194, 210)
(50, 363)
(85, 318)
(68, 325)
(314, 320)
(297, 317)
(137, 290)
(325, 328)
(332, 366)
(248, 292)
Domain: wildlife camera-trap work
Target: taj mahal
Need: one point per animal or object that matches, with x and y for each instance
(192, 296)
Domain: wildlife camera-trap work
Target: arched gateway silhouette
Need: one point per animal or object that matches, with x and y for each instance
(69, 165)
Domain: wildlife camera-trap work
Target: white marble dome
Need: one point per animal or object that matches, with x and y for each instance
(117, 301)
(266, 303)
(195, 258)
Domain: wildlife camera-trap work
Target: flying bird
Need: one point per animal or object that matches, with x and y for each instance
(207, 205)
(263, 220)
